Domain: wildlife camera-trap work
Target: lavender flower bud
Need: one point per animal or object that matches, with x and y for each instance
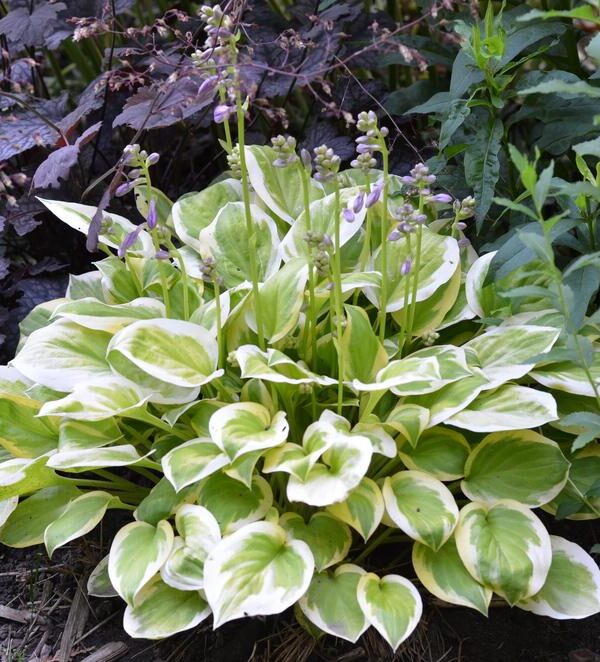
(123, 189)
(394, 235)
(208, 85)
(405, 227)
(408, 180)
(463, 242)
(152, 219)
(442, 198)
(129, 241)
(162, 255)
(406, 267)
(358, 203)
(305, 156)
(280, 163)
(348, 215)
(374, 195)
(221, 113)
(460, 225)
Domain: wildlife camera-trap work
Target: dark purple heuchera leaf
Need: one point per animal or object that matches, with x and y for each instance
(58, 165)
(4, 269)
(157, 106)
(24, 28)
(90, 99)
(22, 216)
(324, 132)
(21, 129)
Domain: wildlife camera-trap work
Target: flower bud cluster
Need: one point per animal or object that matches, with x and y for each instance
(138, 160)
(321, 244)
(464, 209)
(233, 160)
(406, 217)
(419, 176)
(208, 269)
(285, 149)
(370, 142)
(430, 338)
(327, 163)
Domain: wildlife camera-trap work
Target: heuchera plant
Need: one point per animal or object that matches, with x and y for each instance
(285, 372)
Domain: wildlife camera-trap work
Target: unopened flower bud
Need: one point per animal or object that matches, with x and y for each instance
(394, 235)
(405, 267)
(152, 219)
(348, 215)
(129, 241)
(221, 113)
(153, 159)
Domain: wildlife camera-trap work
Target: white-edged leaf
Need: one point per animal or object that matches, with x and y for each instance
(440, 452)
(192, 461)
(362, 509)
(98, 583)
(258, 570)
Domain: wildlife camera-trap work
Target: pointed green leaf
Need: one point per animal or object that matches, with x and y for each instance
(505, 547)
(569, 377)
(23, 432)
(86, 458)
(362, 509)
(572, 588)
(409, 420)
(331, 603)
(364, 354)
(79, 517)
(98, 583)
(245, 427)
(162, 611)
(509, 407)
(329, 539)
(520, 465)
(192, 461)
(258, 570)
(391, 604)
(441, 453)
(137, 553)
(421, 506)
(444, 574)
(233, 504)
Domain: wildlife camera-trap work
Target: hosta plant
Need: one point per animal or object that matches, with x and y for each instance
(289, 380)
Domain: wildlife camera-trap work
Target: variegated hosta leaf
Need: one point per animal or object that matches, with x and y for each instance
(226, 241)
(79, 517)
(192, 213)
(233, 504)
(450, 399)
(86, 458)
(409, 420)
(98, 583)
(23, 432)
(364, 355)
(505, 547)
(381, 441)
(281, 299)
(161, 611)
(509, 407)
(85, 285)
(392, 605)
(444, 574)
(79, 217)
(192, 461)
(275, 366)
(430, 313)
(206, 315)
(258, 570)
(25, 526)
(63, 354)
(439, 261)
(340, 470)
(137, 553)
(328, 538)
(421, 506)
(570, 377)
(161, 502)
(440, 452)
(173, 351)
(424, 371)
(279, 188)
(7, 507)
(332, 605)
(322, 221)
(99, 316)
(477, 297)
(87, 434)
(242, 468)
(299, 460)
(245, 427)
(520, 465)
(24, 476)
(572, 588)
(504, 353)
(199, 534)
(362, 509)
(98, 399)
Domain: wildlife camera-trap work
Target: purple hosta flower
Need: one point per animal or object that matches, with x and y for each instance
(162, 254)
(374, 194)
(406, 267)
(461, 226)
(129, 241)
(348, 215)
(123, 189)
(394, 235)
(222, 113)
(208, 85)
(418, 218)
(152, 219)
(405, 227)
(408, 180)
(153, 159)
(358, 203)
(440, 198)
(280, 163)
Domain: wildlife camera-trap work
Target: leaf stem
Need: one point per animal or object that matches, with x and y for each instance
(337, 284)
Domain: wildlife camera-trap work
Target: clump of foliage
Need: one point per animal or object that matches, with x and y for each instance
(290, 372)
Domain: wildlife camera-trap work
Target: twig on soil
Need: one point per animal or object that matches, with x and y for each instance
(20, 615)
(76, 621)
(109, 652)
